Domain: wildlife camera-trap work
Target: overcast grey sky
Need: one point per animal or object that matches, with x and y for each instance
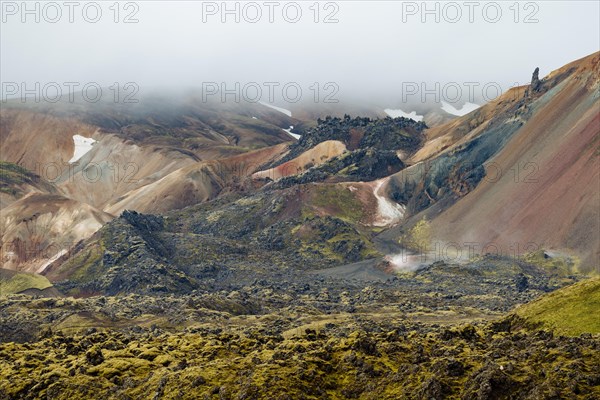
(372, 49)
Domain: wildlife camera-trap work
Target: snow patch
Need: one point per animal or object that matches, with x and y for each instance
(464, 110)
(281, 110)
(289, 131)
(388, 211)
(254, 118)
(82, 146)
(399, 113)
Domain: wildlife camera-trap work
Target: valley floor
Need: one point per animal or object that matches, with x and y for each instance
(445, 331)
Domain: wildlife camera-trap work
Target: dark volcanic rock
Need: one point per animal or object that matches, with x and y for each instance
(536, 83)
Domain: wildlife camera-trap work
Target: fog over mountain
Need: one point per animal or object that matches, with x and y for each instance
(370, 52)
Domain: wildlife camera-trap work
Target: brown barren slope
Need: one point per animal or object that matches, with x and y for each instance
(35, 140)
(39, 226)
(315, 156)
(195, 183)
(542, 189)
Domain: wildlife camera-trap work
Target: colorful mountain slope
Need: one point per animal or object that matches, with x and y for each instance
(518, 174)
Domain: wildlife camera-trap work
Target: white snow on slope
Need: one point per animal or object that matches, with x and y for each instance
(388, 211)
(82, 146)
(282, 110)
(464, 110)
(399, 113)
(294, 135)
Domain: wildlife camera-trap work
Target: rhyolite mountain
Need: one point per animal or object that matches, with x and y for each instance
(527, 163)
(512, 162)
(137, 145)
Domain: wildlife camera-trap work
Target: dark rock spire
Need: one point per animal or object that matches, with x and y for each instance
(536, 84)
